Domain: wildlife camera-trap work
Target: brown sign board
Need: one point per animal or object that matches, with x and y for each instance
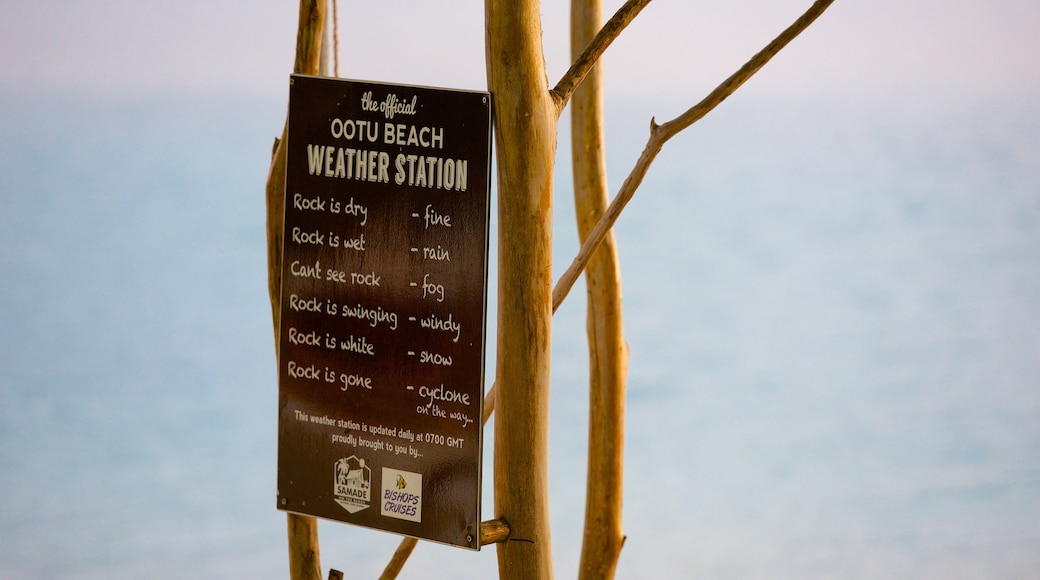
(383, 307)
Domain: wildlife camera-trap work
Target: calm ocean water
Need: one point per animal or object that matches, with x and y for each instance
(832, 313)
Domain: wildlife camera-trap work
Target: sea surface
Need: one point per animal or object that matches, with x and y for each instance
(832, 307)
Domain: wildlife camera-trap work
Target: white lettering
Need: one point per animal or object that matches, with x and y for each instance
(305, 271)
(431, 289)
(434, 359)
(431, 172)
(433, 322)
(307, 203)
(443, 395)
(432, 217)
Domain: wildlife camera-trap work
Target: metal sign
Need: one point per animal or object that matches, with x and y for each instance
(383, 307)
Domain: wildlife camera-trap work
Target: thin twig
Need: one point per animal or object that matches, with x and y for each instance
(660, 134)
(594, 50)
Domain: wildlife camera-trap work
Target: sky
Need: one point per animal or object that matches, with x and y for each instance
(859, 48)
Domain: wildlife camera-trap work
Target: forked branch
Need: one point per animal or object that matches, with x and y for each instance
(563, 90)
(660, 134)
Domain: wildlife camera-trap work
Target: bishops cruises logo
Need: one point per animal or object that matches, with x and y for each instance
(353, 484)
(402, 495)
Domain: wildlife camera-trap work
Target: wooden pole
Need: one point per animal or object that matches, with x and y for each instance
(525, 140)
(304, 559)
(608, 354)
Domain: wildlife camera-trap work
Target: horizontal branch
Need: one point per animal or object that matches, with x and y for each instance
(563, 90)
(660, 134)
(494, 531)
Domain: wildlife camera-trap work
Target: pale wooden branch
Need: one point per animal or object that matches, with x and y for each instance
(489, 402)
(308, 49)
(660, 134)
(304, 556)
(304, 560)
(563, 90)
(525, 139)
(393, 568)
(275, 193)
(493, 531)
(608, 353)
(335, 38)
(325, 56)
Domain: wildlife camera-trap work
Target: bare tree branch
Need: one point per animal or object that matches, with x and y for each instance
(302, 531)
(489, 403)
(607, 351)
(563, 90)
(660, 134)
(335, 39)
(393, 567)
(493, 531)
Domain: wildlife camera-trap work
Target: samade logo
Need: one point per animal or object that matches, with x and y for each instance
(352, 485)
(402, 495)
